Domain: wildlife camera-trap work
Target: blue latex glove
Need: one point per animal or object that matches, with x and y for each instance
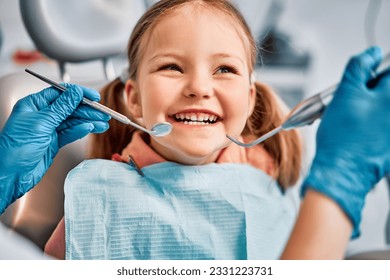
(39, 125)
(353, 139)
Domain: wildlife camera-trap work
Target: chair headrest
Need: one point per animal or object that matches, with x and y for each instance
(79, 31)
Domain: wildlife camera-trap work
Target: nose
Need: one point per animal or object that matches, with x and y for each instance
(199, 86)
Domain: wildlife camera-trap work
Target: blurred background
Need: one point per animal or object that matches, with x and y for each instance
(305, 46)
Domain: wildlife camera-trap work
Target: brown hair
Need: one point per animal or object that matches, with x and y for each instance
(284, 148)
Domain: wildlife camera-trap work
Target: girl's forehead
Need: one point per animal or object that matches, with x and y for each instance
(214, 15)
(199, 16)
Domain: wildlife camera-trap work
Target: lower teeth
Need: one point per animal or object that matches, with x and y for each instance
(195, 123)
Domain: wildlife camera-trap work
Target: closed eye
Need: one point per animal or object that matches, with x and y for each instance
(170, 67)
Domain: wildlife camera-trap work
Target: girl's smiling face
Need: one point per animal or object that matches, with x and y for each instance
(194, 74)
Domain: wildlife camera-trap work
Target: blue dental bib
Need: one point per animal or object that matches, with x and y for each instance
(214, 211)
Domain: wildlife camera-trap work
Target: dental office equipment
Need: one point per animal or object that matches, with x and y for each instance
(158, 129)
(310, 109)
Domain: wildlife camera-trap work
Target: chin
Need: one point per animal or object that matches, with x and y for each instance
(191, 150)
(198, 154)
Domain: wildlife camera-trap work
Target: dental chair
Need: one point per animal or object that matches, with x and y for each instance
(75, 32)
(79, 31)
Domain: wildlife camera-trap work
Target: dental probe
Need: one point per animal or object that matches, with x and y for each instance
(310, 109)
(158, 130)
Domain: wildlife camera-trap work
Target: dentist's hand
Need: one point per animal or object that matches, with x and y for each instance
(353, 139)
(39, 125)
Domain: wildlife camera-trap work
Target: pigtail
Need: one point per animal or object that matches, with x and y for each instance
(285, 147)
(116, 138)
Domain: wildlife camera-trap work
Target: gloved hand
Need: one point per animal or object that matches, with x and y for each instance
(353, 139)
(39, 125)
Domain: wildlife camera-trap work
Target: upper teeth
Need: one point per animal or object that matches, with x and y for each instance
(196, 117)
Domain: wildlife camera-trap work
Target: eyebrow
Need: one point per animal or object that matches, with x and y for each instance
(226, 55)
(168, 54)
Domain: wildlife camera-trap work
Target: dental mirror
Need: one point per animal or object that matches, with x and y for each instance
(158, 130)
(161, 129)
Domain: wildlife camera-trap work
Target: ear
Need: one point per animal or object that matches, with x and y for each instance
(133, 98)
(252, 99)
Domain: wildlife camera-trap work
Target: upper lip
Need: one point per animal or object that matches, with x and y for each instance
(197, 111)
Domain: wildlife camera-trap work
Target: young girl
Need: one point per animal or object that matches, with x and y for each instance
(190, 194)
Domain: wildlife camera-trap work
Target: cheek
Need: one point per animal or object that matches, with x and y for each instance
(239, 107)
(239, 101)
(155, 98)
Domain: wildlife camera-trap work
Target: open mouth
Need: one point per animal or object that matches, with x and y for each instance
(196, 118)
